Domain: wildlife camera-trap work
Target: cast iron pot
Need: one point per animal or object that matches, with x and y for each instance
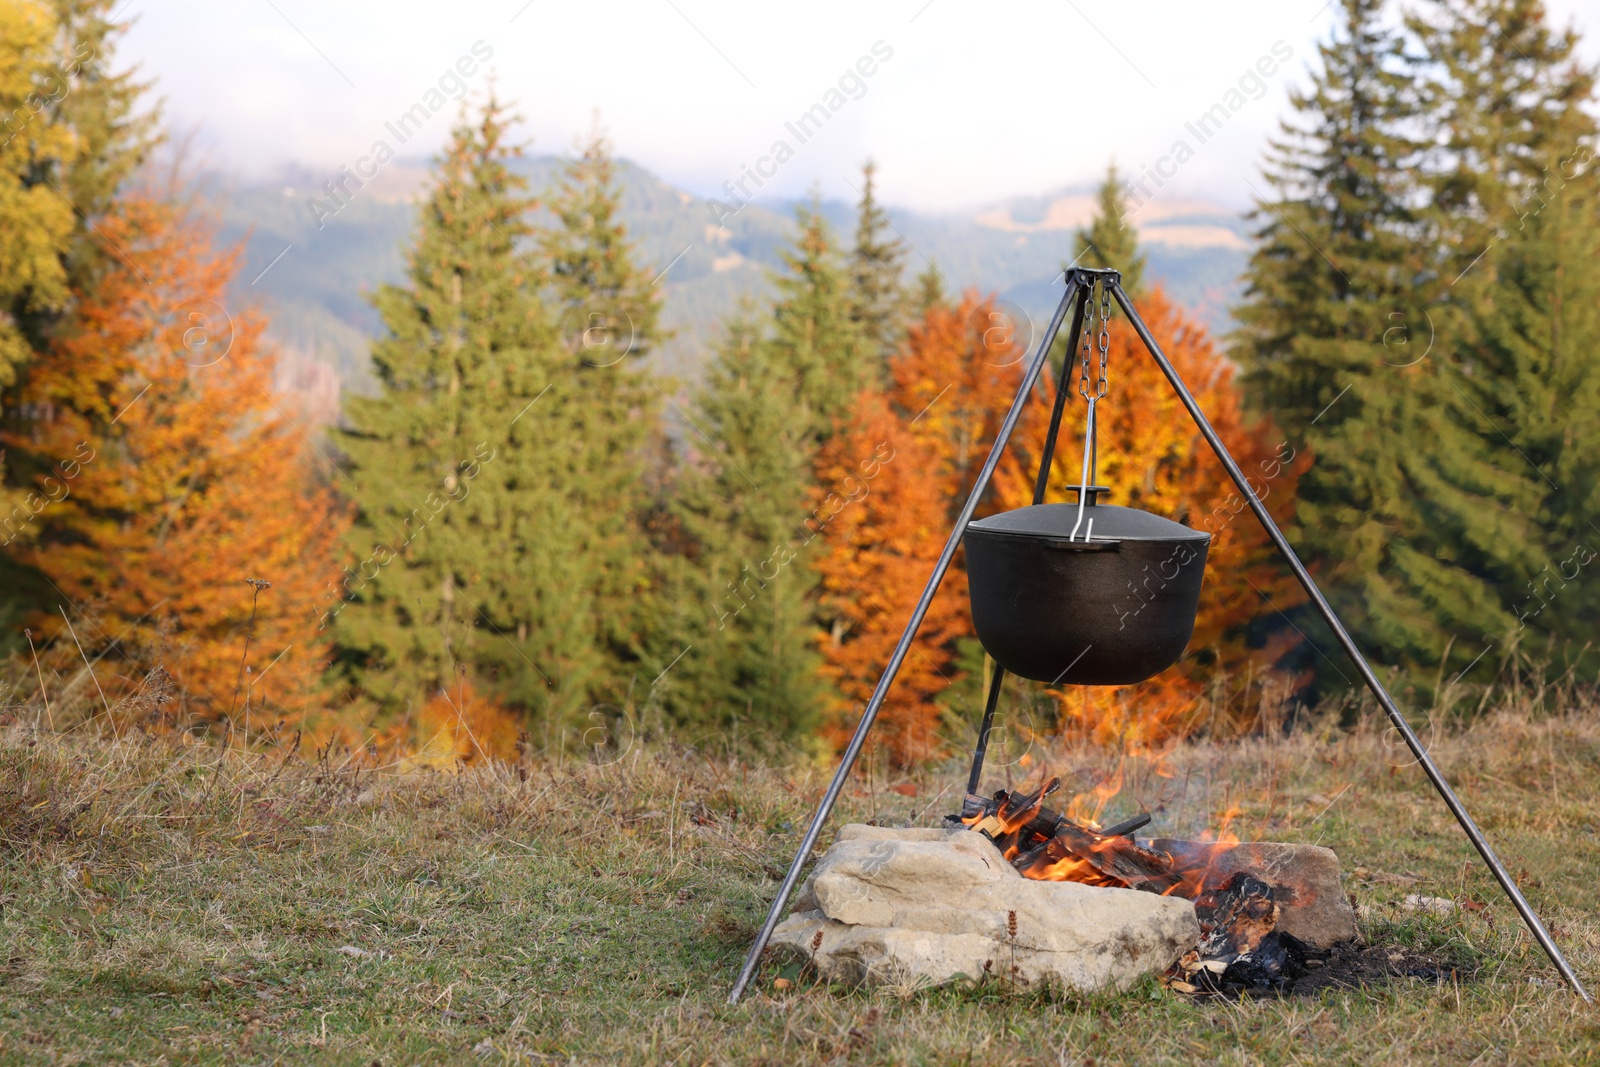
(1112, 610)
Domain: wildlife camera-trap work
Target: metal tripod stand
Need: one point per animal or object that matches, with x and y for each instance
(1080, 284)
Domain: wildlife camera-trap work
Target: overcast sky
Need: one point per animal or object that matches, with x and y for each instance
(974, 103)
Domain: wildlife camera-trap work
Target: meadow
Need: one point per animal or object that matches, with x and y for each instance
(167, 900)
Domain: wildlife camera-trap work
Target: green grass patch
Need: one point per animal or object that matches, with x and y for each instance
(170, 903)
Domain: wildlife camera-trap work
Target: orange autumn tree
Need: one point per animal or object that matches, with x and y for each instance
(166, 476)
(1152, 458)
(952, 384)
(881, 545)
(949, 387)
(458, 727)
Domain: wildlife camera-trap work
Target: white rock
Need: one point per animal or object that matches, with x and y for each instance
(930, 906)
(1415, 902)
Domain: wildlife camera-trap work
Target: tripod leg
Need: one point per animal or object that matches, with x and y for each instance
(868, 716)
(983, 730)
(1063, 389)
(1325, 609)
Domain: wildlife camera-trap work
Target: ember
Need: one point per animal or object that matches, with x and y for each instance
(1256, 910)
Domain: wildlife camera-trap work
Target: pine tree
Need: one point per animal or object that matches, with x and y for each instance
(1337, 285)
(817, 347)
(608, 310)
(745, 665)
(877, 264)
(1110, 239)
(1515, 222)
(472, 555)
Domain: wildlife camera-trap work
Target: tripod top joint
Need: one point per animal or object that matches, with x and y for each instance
(1088, 275)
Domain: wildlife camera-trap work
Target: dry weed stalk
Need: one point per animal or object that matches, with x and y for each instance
(256, 584)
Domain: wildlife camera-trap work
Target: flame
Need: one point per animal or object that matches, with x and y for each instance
(1086, 808)
(1137, 719)
(1070, 847)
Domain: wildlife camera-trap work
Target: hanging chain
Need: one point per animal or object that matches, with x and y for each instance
(1088, 346)
(1105, 337)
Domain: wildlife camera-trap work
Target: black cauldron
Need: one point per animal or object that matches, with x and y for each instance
(1112, 604)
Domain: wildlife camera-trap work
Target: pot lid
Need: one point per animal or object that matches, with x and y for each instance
(1055, 521)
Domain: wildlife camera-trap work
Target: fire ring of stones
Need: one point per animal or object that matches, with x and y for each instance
(929, 906)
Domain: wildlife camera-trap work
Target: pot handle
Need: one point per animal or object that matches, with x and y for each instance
(1083, 546)
(1094, 492)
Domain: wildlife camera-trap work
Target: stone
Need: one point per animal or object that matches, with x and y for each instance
(1441, 906)
(1311, 900)
(932, 906)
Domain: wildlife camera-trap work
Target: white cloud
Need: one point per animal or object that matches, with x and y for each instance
(975, 105)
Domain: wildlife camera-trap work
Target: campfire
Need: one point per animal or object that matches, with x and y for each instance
(1046, 585)
(1242, 893)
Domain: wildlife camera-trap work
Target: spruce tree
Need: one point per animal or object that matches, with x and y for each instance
(816, 345)
(608, 310)
(1337, 284)
(746, 661)
(741, 632)
(1504, 98)
(108, 110)
(877, 266)
(1535, 334)
(1110, 239)
(470, 554)
(1515, 213)
(607, 303)
(929, 290)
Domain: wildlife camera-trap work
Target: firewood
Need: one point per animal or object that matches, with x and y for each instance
(1128, 826)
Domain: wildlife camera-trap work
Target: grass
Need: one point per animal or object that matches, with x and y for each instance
(169, 902)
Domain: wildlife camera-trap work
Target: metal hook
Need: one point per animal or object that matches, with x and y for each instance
(1083, 487)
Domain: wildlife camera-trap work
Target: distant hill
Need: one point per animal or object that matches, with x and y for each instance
(316, 291)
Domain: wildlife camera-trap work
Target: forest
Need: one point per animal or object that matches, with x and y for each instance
(529, 540)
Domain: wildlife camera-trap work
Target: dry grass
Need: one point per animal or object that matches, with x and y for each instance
(164, 901)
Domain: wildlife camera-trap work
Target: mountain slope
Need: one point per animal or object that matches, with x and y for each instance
(312, 275)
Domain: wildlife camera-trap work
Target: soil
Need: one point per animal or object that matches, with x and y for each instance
(1352, 965)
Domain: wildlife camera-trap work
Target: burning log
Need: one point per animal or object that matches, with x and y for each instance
(1261, 906)
(1119, 860)
(1046, 845)
(1128, 826)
